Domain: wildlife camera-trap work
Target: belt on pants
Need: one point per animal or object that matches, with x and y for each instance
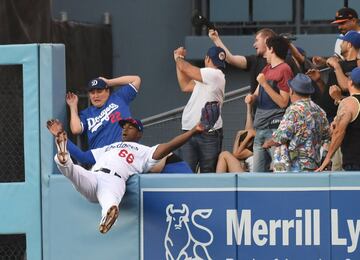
(105, 170)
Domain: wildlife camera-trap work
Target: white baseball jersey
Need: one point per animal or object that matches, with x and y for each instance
(211, 89)
(124, 158)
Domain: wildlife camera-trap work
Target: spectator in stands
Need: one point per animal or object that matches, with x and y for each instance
(100, 120)
(346, 20)
(346, 131)
(349, 49)
(272, 96)
(303, 130)
(252, 63)
(241, 158)
(205, 85)
(331, 94)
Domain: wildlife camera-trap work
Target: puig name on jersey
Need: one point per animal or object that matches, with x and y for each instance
(121, 145)
(96, 122)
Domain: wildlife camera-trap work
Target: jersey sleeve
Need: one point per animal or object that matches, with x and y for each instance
(286, 76)
(127, 92)
(81, 156)
(150, 162)
(83, 121)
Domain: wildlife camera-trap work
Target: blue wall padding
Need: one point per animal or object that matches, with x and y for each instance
(52, 98)
(71, 226)
(20, 202)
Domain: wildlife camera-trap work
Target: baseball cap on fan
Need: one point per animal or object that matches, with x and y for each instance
(97, 83)
(135, 122)
(353, 37)
(345, 14)
(217, 56)
(355, 75)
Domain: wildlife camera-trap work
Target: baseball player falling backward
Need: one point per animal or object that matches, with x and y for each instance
(105, 183)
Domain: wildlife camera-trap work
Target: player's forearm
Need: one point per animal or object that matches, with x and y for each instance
(81, 156)
(164, 149)
(75, 123)
(123, 80)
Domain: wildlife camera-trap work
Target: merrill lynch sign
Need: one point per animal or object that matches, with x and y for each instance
(250, 225)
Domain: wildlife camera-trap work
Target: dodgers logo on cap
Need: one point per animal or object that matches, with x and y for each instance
(97, 83)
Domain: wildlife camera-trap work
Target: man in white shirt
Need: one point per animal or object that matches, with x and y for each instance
(205, 85)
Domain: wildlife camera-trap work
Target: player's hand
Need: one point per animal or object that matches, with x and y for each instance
(318, 61)
(314, 74)
(249, 99)
(106, 80)
(213, 35)
(55, 127)
(335, 92)
(261, 79)
(72, 99)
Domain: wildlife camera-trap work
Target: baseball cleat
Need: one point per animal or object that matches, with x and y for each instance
(109, 220)
(61, 141)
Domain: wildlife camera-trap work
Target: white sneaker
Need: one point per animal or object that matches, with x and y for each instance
(109, 219)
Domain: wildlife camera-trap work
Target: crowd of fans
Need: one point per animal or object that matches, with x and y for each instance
(299, 118)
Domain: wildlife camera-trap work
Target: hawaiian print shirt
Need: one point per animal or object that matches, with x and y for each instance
(302, 132)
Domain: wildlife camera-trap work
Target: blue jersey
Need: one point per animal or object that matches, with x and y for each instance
(102, 124)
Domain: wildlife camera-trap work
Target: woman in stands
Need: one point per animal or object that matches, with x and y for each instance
(240, 160)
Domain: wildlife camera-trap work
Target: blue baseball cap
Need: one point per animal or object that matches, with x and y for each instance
(97, 83)
(302, 84)
(217, 56)
(135, 122)
(355, 75)
(353, 37)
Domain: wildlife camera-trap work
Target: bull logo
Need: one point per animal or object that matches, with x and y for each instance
(180, 242)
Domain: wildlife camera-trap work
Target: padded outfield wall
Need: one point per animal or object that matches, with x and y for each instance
(245, 216)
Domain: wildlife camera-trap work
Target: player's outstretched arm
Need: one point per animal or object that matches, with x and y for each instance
(75, 122)
(164, 149)
(55, 127)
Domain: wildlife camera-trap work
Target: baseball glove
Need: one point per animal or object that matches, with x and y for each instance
(210, 114)
(56, 129)
(55, 126)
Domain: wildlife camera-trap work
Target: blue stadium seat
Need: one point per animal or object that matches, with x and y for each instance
(229, 11)
(272, 10)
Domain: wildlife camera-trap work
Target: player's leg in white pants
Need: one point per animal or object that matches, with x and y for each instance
(110, 190)
(84, 181)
